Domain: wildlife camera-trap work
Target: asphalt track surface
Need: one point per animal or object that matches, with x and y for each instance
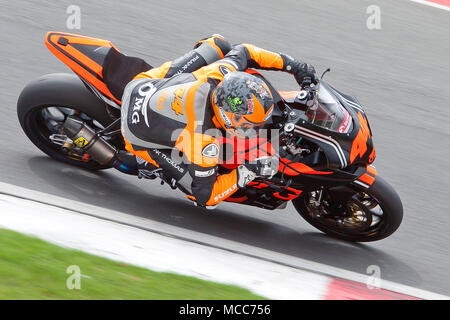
(399, 73)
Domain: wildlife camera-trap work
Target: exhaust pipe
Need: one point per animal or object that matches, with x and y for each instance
(97, 148)
(84, 137)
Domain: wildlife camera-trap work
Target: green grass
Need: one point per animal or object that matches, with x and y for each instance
(34, 269)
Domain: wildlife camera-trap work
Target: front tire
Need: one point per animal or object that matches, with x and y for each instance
(366, 215)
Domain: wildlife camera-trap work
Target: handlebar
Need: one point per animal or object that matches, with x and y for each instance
(309, 88)
(307, 81)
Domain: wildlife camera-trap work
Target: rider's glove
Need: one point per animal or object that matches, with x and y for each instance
(264, 167)
(300, 70)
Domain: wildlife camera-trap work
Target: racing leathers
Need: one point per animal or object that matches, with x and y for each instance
(167, 117)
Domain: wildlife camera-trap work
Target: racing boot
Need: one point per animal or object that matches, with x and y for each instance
(147, 170)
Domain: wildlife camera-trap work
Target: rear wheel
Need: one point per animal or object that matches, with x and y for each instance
(45, 103)
(355, 215)
(43, 126)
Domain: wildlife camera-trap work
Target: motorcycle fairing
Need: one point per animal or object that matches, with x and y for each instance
(360, 146)
(84, 55)
(342, 149)
(264, 195)
(367, 178)
(291, 168)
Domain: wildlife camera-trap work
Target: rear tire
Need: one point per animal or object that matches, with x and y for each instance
(58, 90)
(380, 193)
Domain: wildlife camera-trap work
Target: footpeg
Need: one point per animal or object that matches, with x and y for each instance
(152, 175)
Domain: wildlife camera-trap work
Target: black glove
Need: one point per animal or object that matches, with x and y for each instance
(300, 70)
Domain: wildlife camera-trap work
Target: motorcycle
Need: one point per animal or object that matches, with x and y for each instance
(325, 152)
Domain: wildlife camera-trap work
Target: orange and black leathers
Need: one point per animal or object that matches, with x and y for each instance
(206, 51)
(250, 56)
(178, 115)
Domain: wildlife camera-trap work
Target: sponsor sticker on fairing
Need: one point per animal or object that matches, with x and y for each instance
(345, 125)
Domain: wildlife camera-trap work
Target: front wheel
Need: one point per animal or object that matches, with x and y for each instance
(359, 215)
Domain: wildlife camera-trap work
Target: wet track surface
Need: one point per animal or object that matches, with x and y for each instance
(400, 74)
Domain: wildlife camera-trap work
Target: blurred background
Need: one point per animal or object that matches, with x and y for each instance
(400, 73)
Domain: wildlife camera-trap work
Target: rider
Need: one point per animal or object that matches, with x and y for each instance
(169, 114)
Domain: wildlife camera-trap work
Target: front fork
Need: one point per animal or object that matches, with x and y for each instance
(337, 196)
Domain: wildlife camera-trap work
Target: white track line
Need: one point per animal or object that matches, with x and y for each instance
(208, 240)
(432, 4)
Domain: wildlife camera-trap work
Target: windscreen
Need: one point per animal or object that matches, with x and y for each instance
(327, 112)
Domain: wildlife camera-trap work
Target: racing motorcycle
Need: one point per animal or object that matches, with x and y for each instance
(325, 152)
